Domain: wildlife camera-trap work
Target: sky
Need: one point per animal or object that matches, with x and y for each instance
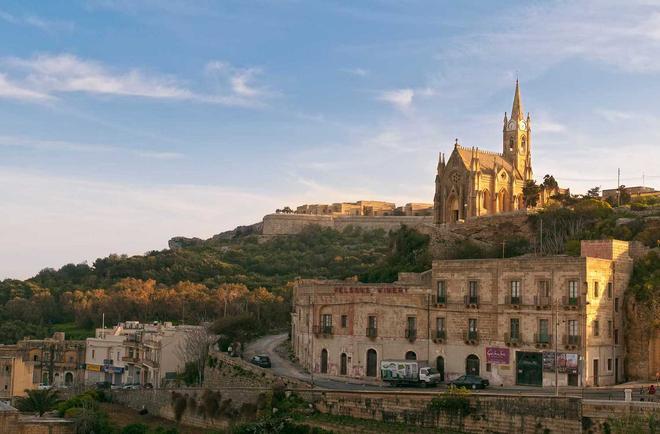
(124, 123)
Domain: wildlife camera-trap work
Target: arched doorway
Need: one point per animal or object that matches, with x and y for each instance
(44, 378)
(68, 379)
(486, 201)
(453, 210)
(372, 363)
(440, 366)
(410, 355)
(503, 201)
(324, 361)
(343, 365)
(472, 365)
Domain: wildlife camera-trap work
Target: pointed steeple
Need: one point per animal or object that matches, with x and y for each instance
(517, 109)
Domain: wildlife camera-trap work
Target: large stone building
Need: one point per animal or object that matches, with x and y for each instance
(474, 182)
(504, 319)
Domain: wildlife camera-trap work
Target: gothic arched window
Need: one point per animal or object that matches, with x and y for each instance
(511, 144)
(524, 143)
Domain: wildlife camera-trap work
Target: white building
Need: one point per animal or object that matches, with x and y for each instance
(136, 353)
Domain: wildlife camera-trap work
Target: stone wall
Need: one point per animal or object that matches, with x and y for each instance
(289, 224)
(489, 413)
(597, 415)
(642, 335)
(216, 409)
(11, 421)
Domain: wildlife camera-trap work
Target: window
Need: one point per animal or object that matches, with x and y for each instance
(544, 336)
(596, 289)
(371, 326)
(93, 354)
(344, 321)
(544, 288)
(515, 328)
(511, 144)
(616, 336)
(441, 292)
(616, 304)
(572, 291)
(488, 367)
(412, 323)
(515, 292)
(609, 289)
(472, 291)
(572, 327)
(440, 328)
(595, 327)
(472, 328)
(372, 321)
(609, 328)
(609, 364)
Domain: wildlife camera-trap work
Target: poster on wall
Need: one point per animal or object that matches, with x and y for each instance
(572, 363)
(497, 356)
(565, 362)
(549, 361)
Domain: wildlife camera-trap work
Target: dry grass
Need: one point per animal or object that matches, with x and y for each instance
(122, 416)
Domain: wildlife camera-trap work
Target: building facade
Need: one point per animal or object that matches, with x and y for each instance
(511, 321)
(136, 353)
(474, 182)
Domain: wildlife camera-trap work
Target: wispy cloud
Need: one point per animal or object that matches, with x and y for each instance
(67, 146)
(37, 22)
(359, 72)
(45, 76)
(400, 98)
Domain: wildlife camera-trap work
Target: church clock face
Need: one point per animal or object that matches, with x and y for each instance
(512, 125)
(522, 125)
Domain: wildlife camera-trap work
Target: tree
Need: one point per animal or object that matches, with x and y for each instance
(594, 192)
(531, 193)
(194, 348)
(287, 210)
(549, 182)
(38, 401)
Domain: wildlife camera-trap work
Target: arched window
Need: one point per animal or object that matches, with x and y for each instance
(511, 144)
(472, 365)
(324, 361)
(343, 366)
(523, 145)
(410, 355)
(68, 378)
(372, 363)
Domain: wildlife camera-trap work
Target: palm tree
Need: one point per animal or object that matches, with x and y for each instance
(38, 401)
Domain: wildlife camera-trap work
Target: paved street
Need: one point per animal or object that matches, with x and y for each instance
(284, 367)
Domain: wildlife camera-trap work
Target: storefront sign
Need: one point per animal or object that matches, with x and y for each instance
(497, 356)
(95, 368)
(113, 369)
(370, 290)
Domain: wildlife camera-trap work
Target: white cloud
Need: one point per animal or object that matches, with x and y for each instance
(360, 72)
(13, 91)
(37, 22)
(400, 98)
(45, 76)
(66, 146)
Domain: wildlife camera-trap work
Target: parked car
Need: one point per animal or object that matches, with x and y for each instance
(148, 386)
(470, 382)
(263, 361)
(43, 386)
(133, 386)
(102, 385)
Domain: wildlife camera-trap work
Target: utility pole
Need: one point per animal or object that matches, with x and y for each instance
(618, 187)
(541, 236)
(503, 243)
(556, 303)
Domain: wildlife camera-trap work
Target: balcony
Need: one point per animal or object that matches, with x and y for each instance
(571, 341)
(512, 339)
(571, 302)
(439, 336)
(325, 330)
(372, 332)
(514, 302)
(542, 340)
(541, 302)
(130, 359)
(472, 337)
(471, 301)
(411, 334)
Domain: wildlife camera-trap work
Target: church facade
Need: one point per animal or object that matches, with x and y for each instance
(474, 182)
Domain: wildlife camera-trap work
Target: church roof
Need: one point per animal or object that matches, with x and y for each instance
(487, 159)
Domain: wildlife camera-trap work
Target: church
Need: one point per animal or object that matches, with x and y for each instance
(474, 182)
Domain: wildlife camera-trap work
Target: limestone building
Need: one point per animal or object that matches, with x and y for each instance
(507, 320)
(474, 182)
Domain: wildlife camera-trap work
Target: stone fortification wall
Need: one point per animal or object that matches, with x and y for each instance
(642, 335)
(488, 413)
(289, 224)
(200, 407)
(597, 415)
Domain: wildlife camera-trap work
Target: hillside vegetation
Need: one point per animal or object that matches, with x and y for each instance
(230, 281)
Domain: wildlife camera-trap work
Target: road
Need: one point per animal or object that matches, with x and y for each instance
(285, 368)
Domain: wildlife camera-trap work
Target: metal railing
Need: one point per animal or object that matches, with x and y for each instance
(322, 329)
(540, 300)
(372, 332)
(471, 299)
(571, 301)
(411, 334)
(472, 335)
(440, 334)
(512, 338)
(513, 301)
(543, 338)
(571, 340)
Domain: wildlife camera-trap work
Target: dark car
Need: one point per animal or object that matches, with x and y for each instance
(470, 382)
(103, 385)
(263, 361)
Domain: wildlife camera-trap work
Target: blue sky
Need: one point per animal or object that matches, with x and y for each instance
(126, 122)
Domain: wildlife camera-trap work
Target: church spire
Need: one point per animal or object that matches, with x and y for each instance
(517, 112)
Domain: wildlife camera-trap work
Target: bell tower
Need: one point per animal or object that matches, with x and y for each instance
(517, 134)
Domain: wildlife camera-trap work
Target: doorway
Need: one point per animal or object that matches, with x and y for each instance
(595, 372)
(343, 364)
(410, 355)
(324, 361)
(440, 366)
(529, 368)
(372, 363)
(472, 365)
(616, 371)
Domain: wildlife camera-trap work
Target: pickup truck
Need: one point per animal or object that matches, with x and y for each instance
(408, 373)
